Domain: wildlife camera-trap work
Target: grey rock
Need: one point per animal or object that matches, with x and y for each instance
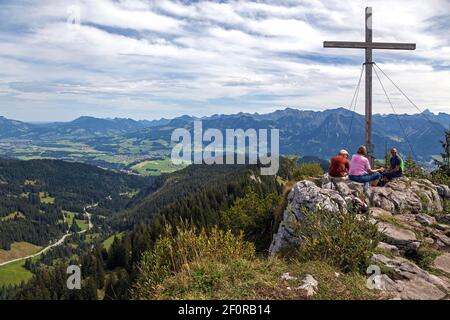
(442, 227)
(396, 235)
(379, 213)
(411, 281)
(344, 186)
(305, 195)
(383, 283)
(444, 219)
(388, 247)
(413, 246)
(408, 219)
(425, 219)
(443, 262)
(309, 285)
(406, 195)
(443, 191)
(286, 276)
(441, 239)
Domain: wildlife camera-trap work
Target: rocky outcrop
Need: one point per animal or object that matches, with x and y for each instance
(408, 281)
(406, 213)
(305, 195)
(402, 195)
(399, 195)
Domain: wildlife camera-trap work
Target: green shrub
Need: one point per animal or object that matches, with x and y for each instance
(413, 170)
(307, 170)
(253, 215)
(175, 253)
(440, 177)
(341, 239)
(425, 256)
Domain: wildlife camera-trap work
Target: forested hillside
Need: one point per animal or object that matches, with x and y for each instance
(34, 195)
(201, 195)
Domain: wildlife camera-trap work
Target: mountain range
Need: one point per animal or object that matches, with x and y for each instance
(318, 133)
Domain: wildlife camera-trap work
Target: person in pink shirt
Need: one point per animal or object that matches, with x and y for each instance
(360, 170)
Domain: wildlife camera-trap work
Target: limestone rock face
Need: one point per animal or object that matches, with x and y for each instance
(396, 235)
(405, 212)
(411, 282)
(399, 195)
(304, 196)
(307, 196)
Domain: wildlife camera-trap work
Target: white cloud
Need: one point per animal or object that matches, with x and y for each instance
(147, 59)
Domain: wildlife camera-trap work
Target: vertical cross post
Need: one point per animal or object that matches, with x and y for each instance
(369, 45)
(369, 62)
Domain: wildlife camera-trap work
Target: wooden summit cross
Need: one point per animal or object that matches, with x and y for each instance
(368, 45)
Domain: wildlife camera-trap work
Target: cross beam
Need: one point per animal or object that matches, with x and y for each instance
(369, 45)
(373, 45)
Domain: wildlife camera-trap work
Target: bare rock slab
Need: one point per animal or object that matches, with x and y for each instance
(443, 262)
(379, 213)
(412, 282)
(396, 235)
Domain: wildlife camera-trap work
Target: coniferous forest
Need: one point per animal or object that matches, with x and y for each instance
(34, 195)
(131, 213)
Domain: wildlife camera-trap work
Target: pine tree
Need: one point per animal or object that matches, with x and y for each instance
(387, 157)
(444, 164)
(74, 228)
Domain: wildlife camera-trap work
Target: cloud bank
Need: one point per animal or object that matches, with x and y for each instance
(151, 59)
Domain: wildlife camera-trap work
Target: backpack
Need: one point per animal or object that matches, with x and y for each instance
(357, 205)
(402, 165)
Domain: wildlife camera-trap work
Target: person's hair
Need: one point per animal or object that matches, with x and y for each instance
(362, 151)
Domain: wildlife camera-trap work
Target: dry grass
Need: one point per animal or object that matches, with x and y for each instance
(18, 250)
(195, 264)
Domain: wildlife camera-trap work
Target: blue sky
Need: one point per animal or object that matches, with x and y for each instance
(151, 59)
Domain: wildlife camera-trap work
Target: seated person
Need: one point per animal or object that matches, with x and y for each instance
(339, 165)
(360, 170)
(396, 168)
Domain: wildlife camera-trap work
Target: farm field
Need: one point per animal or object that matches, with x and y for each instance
(46, 198)
(108, 242)
(18, 250)
(14, 273)
(156, 167)
(81, 223)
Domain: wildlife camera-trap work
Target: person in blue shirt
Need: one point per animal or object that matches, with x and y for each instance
(396, 166)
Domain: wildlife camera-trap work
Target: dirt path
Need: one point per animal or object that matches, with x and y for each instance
(57, 243)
